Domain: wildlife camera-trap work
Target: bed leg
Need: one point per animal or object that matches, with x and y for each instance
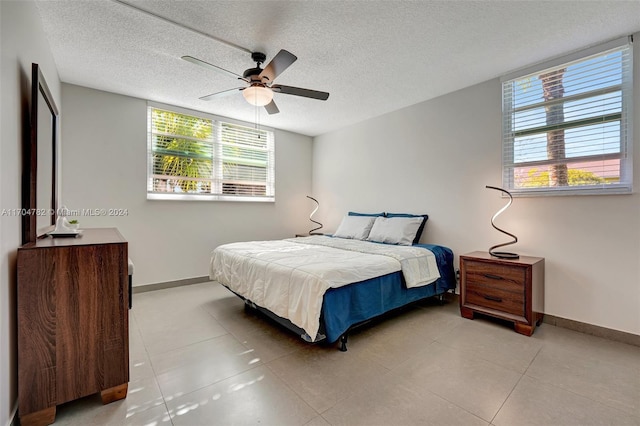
(249, 308)
(441, 299)
(343, 343)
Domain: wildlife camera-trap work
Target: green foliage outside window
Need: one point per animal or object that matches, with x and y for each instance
(182, 147)
(540, 179)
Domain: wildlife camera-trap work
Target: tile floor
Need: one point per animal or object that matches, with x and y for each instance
(198, 359)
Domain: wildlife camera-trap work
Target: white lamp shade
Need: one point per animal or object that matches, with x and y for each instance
(257, 95)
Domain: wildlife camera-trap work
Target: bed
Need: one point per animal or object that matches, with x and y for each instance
(321, 287)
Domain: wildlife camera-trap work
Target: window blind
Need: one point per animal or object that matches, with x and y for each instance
(191, 157)
(567, 127)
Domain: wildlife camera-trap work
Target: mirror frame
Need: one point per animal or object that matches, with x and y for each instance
(30, 164)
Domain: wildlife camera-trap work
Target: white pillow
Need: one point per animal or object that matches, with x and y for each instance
(395, 230)
(356, 227)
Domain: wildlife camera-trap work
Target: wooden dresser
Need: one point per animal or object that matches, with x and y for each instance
(73, 328)
(509, 289)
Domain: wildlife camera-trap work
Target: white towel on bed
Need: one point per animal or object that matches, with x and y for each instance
(290, 277)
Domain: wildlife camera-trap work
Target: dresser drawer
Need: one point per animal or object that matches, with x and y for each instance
(505, 278)
(495, 286)
(495, 298)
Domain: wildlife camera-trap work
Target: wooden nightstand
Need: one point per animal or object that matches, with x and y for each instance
(509, 289)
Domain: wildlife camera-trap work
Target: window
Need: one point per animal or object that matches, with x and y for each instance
(200, 158)
(567, 124)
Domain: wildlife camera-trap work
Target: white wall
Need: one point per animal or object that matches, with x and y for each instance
(105, 163)
(436, 157)
(22, 42)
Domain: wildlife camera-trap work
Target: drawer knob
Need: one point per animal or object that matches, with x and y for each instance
(493, 298)
(494, 277)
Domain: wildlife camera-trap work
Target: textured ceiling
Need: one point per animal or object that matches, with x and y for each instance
(372, 56)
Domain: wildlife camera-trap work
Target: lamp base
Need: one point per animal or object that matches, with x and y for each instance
(504, 255)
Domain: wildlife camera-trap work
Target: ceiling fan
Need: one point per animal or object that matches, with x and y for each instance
(260, 82)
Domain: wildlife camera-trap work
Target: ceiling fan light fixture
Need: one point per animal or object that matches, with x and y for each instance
(258, 95)
(261, 81)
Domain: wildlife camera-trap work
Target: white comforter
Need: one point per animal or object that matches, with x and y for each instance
(289, 277)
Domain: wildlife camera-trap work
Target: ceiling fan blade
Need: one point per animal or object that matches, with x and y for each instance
(211, 66)
(297, 91)
(271, 108)
(278, 64)
(221, 94)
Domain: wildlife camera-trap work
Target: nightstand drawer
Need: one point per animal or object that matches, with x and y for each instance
(500, 277)
(495, 298)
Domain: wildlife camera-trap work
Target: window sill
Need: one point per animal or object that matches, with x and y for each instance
(617, 190)
(209, 197)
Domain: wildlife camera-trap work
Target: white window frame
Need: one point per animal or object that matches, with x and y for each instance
(217, 179)
(626, 132)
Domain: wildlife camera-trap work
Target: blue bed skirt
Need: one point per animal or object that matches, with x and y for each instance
(352, 304)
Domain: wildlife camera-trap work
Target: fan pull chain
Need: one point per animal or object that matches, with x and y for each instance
(256, 118)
